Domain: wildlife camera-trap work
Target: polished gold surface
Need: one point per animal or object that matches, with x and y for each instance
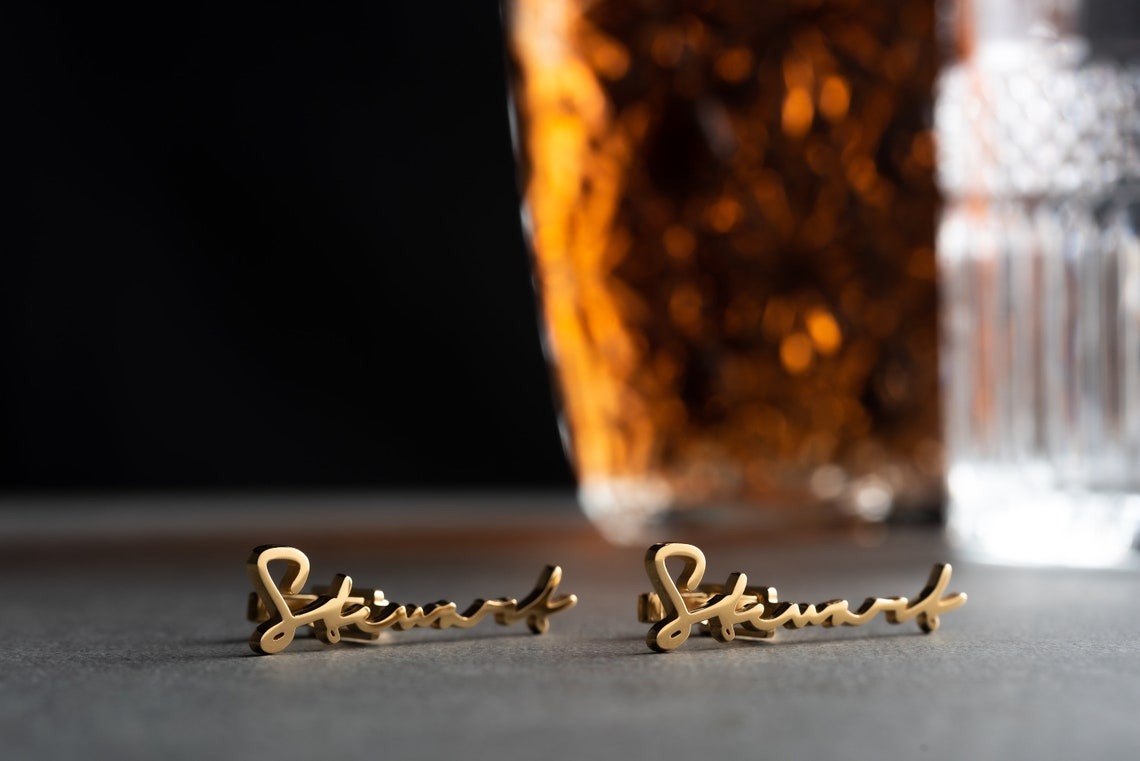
(340, 611)
(736, 609)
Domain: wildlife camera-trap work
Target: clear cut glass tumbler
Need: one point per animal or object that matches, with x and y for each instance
(1038, 122)
(731, 207)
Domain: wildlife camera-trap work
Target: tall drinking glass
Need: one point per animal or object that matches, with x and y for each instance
(731, 207)
(1038, 120)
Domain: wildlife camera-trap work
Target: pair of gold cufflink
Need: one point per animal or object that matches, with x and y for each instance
(723, 611)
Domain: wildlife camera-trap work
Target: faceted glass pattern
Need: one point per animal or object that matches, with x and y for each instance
(1040, 267)
(731, 206)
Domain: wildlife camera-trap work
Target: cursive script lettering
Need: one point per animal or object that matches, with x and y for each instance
(738, 610)
(282, 609)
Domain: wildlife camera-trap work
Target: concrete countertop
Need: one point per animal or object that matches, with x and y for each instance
(133, 644)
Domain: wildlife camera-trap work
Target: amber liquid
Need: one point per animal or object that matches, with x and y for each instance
(732, 212)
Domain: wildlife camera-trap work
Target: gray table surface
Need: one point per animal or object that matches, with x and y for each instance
(125, 637)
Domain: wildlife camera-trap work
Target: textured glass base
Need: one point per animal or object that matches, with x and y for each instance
(624, 509)
(633, 511)
(1015, 515)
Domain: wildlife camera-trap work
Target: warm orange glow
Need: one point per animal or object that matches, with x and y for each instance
(779, 317)
(796, 353)
(667, 47)
(734, 65)
(609, 59)
(798, 71)
(900, 61)
(798, 112)
(581, 146)
(679, 242)
(685, 307)
(736, 293)
(861, 173)
(723, 214)
(824, 331)
(834, 98)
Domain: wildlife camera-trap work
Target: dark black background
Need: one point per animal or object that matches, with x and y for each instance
(264, 247)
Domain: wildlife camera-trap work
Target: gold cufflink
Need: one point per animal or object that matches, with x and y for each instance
(342, 611)
(738, 610)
